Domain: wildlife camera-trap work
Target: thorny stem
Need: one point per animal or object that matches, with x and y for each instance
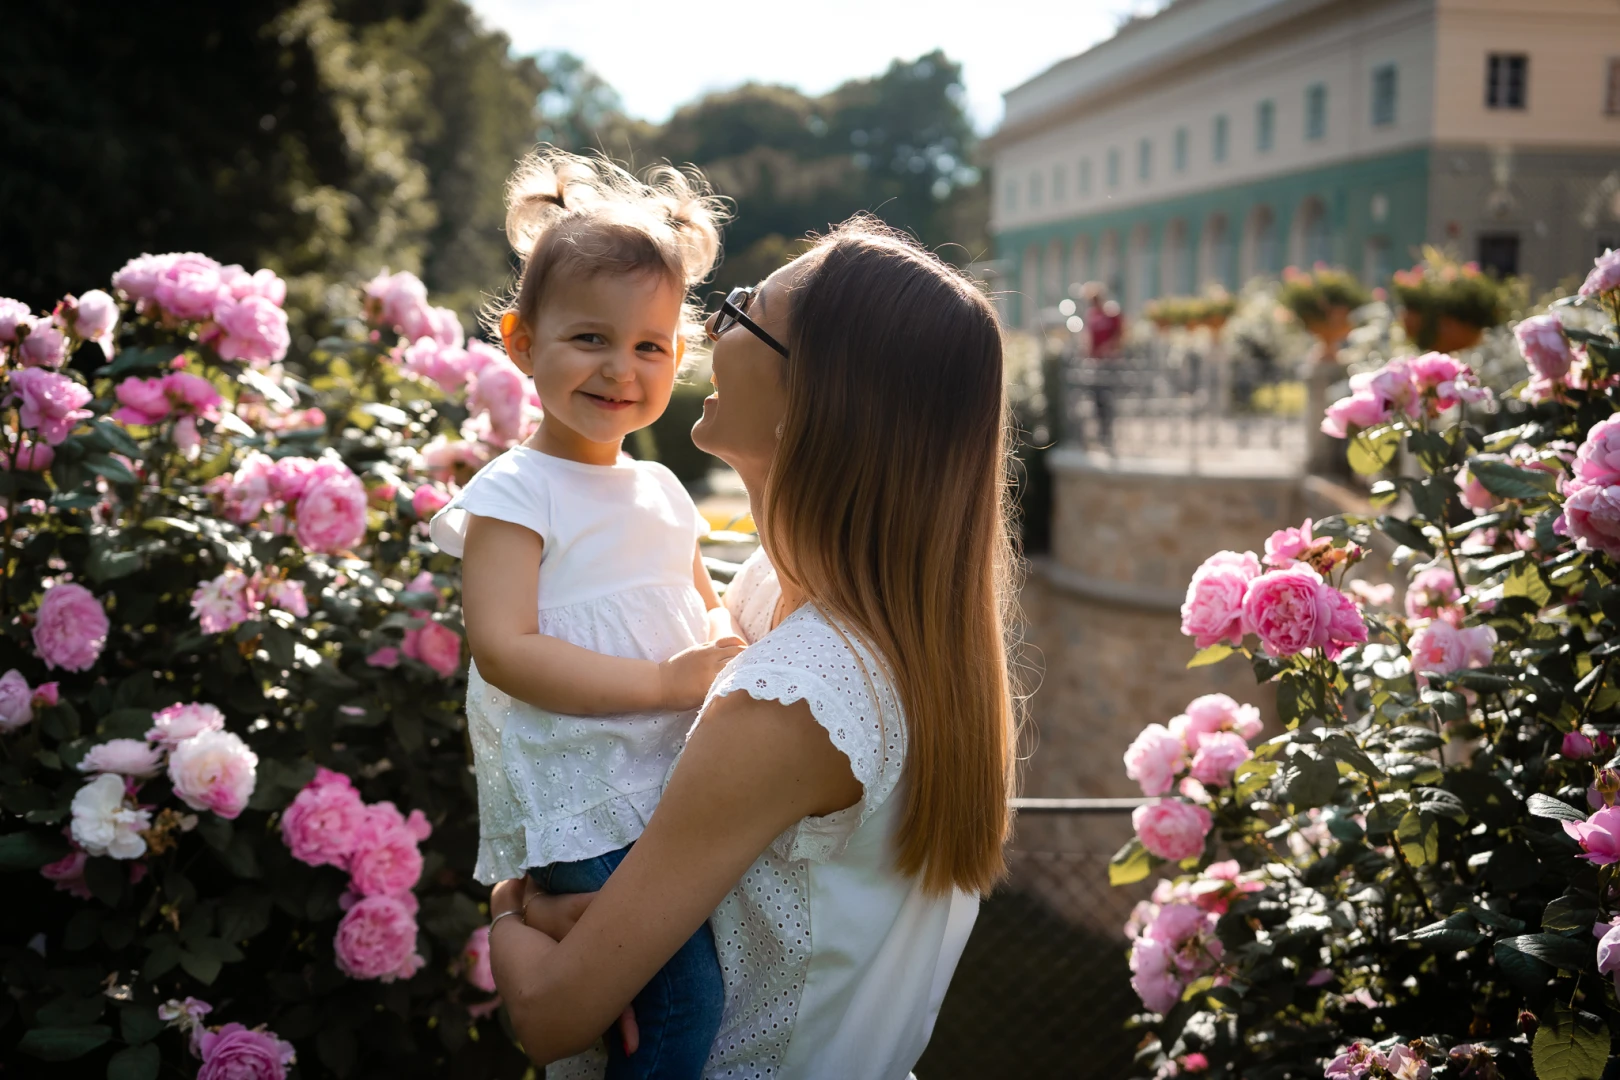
(1400, 856)
(1591, 695)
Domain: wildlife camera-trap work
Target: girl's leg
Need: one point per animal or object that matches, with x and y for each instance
(678, 1014)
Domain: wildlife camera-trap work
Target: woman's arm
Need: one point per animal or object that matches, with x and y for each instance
(750, 770)
(499, 583)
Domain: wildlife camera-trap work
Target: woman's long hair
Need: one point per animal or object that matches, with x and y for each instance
(887, 504)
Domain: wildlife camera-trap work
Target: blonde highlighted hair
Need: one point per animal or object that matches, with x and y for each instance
(573, 215)
(887, 504)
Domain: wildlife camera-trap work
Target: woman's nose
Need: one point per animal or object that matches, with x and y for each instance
(708, 326)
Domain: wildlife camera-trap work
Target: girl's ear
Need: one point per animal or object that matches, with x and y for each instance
(517, 341)
(680, 351)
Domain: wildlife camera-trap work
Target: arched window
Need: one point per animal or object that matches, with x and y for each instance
(1178, 260)
(1216, 253)
(1260, 243)
(1313, 235)
(1029, 285)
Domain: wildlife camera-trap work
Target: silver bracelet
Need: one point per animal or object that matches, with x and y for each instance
(502, 915)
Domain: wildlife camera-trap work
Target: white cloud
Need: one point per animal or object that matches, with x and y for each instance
(660, 55)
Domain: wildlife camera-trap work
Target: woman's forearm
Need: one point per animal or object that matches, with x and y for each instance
(549, 1024)
(552, 674)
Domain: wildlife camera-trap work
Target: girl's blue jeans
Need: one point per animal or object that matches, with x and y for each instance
(678, 1012)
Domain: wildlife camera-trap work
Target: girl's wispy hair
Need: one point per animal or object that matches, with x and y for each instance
(573, 215)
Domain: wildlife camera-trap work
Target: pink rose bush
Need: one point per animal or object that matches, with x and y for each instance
(1213, 611)
(377, 939)
(1290, 610)
(70, 628)
(1172, 829)
(1406, 388)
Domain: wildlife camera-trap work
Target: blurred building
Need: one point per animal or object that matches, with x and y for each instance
(1221, 139)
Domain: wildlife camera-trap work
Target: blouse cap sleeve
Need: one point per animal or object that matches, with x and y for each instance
(805, 659)
(507, 489)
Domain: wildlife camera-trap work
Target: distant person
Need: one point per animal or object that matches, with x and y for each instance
(1105, 337)
(577, 705)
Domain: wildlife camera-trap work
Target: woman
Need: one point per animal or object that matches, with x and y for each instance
(842, 799)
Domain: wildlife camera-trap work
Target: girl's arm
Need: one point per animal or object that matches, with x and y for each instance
(500, 581)
(750, 770)
(720, 625)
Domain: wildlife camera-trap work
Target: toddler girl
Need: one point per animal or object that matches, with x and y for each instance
(577, 705)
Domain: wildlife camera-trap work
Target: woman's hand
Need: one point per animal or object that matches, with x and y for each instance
(554, 916)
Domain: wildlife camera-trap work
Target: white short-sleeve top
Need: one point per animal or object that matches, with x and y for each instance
(615, 578)
(835, 964)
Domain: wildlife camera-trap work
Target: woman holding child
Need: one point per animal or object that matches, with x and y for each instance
(795, 904)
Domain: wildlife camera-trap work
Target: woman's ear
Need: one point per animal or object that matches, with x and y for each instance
(517, 341)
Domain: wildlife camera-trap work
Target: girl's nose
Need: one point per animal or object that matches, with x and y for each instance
(619, 366)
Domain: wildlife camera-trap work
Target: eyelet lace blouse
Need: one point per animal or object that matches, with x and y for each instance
(615, 578)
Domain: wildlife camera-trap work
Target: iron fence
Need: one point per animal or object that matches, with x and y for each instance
(1042, 990)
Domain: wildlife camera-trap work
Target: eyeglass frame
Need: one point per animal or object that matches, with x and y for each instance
(733, 310)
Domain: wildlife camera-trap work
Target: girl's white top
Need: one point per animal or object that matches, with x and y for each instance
(615, 578)
(835, 965)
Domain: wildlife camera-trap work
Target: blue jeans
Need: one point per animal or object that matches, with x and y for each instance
(678, 1012)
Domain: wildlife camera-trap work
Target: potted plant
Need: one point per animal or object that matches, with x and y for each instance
(1446, 304)
(1322, 299)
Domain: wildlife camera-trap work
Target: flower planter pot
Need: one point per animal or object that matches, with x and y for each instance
(1440, 333)
(1330, 330)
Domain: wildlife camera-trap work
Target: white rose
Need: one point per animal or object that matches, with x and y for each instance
(103, 824)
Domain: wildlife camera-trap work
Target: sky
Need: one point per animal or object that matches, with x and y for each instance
(660, 55)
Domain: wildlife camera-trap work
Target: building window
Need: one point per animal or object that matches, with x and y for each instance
(1181, 150)
(1611, 104)
(1265, 125)
(1144, 160)
(1113, 168)
(1383, 95)
(1316, 111)
(1060, 183)
(1034, 190)
(1009, 196)
(1504, 80)
(1499, 254)
(1218, 140)
(1085, 177)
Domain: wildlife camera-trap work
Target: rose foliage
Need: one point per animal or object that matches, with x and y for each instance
(1420, 876)
(236, 817)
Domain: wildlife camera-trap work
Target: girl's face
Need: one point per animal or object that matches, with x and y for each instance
(603, 352)
(750, 393)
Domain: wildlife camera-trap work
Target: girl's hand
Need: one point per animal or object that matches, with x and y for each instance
(554, 916)
(685, 678)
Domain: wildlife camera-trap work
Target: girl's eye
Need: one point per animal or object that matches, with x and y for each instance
(589, 339)
(651, 346)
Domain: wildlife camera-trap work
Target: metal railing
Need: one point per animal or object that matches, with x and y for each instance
(1043, 988)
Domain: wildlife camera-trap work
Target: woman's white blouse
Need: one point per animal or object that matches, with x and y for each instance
(616, 578)
(835, 965)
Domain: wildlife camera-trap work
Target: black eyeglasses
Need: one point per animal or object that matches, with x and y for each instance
(734, 310)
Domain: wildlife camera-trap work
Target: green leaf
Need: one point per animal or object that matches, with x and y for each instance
(1525, 580)
(1309, 781)
(1568, 913)
(110, 467)
(1212, 654)
(1441, 803)
(200, 965)
(1130, 864)
(1545, 806)
(1404, 532)
(1419, 837)
(1301, 696)
(1512, 867)
(163, 954)
(1567, 1049)
(1454, 932)
(135, 1063)
(106, 564)
(63, 1043)
(106, 879)
(70, 1010)
(138, 1023)
(1432, 450)
(30, 850)
(1511, 482)
(1527, 972)
(1371, 450)
(1340, 747)
(1554, 949)
(151, 358)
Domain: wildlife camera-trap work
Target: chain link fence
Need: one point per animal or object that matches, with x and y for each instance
(1043, 990)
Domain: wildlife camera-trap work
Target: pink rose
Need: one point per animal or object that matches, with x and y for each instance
(1213, 609)
(1215, 712)
(428, 500)
(1154, 758)
(67, 874)
(435, 645)
(126, 757)
(1347, 627)
(189, 286)
(139, 278)
(386, 860)
(47, 694)
(51, 404)
(29, 457)
(1478, 645)
(377, 940)
(1152, 975)
(1598, 835)
(1403, 1062)
(475, 960)
(1433, 594)
(1353, 413)
(225, 602)
(499, 391)
(1291, 610)
(1440, 648)
(332, 511)
(1219, 755)
(253, 328)
(246, 493)
(1544, 347)
(177, 723)
(192, 394)
(70, 628)
(321, 824)
(290, 477)
(1577, 746)
(1598, 459)
(44, 347)
(289, 597)
(1604, 276)
(214, 770)
(481, 354)
(14, 315)
(385, 657)
(1608, 950)
(142, 401)
(238, 1053)
(1285, 546)
(1445, 380)
(239, 284)
(1592, 517)
(1172, 829)
(16, 701)
(1473, 494)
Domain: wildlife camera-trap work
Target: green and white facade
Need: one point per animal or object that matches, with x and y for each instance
(1222, 139)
